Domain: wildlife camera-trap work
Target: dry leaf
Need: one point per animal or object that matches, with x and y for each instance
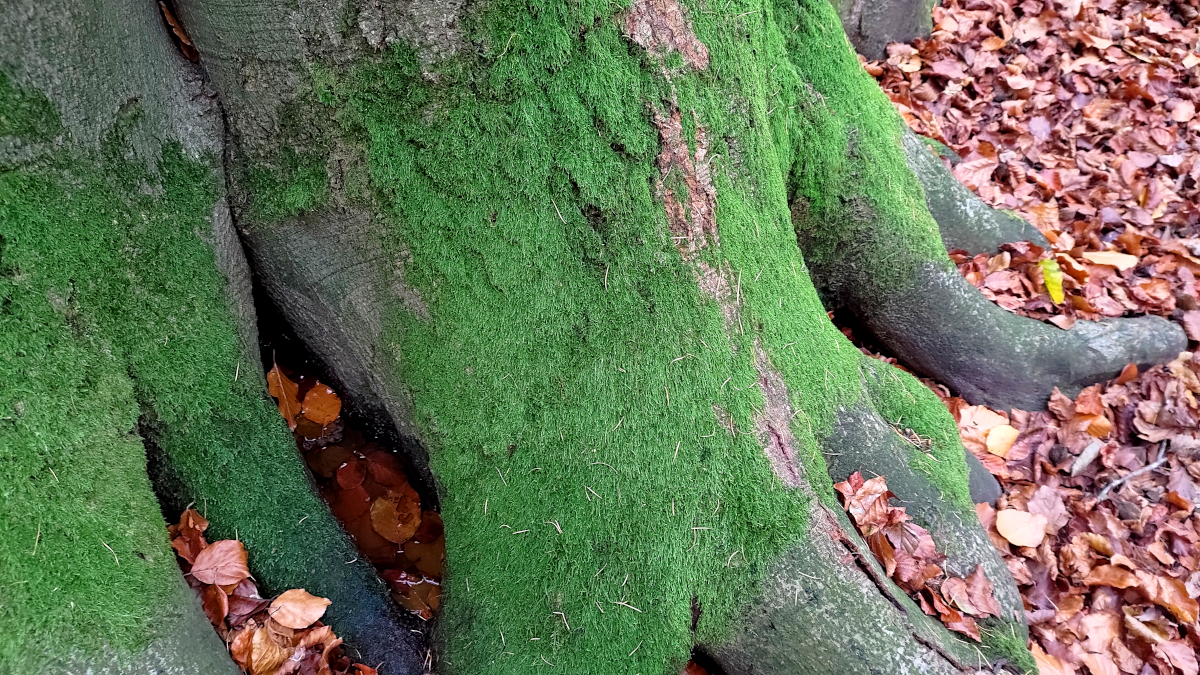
(1020, 527)
(1179, 654)
(222, 563)
(1121, 261)
(297, 608)
(1000, 438)
(1050, 665)
(1111, 575)
(321, 404)
(266, 653)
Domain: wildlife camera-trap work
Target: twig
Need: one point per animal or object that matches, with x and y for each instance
(626, 604)
(605, 464)
(564, 220)
(506, 45)
(501, 476)
(564, 618)
(635, 649)
(1159, 460)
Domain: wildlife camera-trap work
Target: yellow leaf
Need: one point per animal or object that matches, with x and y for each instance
(1053, 276)
(1000, 439)
(1021, 528)
(1121, 261)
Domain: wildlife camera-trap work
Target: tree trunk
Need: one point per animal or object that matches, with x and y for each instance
(872, 24)
(571, 252)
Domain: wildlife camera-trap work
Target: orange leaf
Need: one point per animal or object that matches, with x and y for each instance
(286, 394)
(321, 404)
(297, 608)
(1110, 575)
(1170, 594)
(397, 515)
(222, 562)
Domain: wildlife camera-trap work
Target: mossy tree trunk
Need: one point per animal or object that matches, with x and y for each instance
(576, 254)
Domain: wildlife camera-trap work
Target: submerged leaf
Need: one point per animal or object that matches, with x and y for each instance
(321, 404)
(286, 394)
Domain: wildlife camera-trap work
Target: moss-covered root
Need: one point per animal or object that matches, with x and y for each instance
(862, 221)
(941, 326)
(964, 220)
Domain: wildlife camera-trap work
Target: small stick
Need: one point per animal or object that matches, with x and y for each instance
(599, 607)
(547, 662)
(564, 220)
(593, 492)
(53, 474)
(619, 423)
(606, 277)
(564, 618)
(676, 454)
(112, 552)
(601, 570)
(605, 464)
(38, 538)
(237, 371)
(731, 557)
(501, 476)
(1159, 461)
(554, 523)
(668, 396)
(510, 39)
(626, 604)
(636, 648)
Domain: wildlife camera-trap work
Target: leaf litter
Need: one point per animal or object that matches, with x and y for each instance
(1081, 117)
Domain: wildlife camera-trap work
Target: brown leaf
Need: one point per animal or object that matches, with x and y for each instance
(297, 608)
(321, 404)
(239, 646)
(351, 473)
(397, 514)
(215, 604)
(1111, 575)
(286, 395)
(1050, 665)
(222, 563)
(1179, 654)
(1048, 503)
(188, 536)
(1170, 594)
(267, 652)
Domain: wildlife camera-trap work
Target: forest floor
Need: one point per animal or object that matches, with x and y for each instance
(1081, 116)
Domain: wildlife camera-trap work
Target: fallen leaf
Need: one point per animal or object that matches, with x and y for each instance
(1020, 527)
(215, 604)
(1179, 654)
(286, 395)
(396, 515)
(1121, 261)
(1170, 594)
(222, 563)
(1000, 439)
(1047, 503)
(1053, 276)
(1050, 665)
(266, 653)
(321, 404)
(1111, 575)
(297, 608)
(1100, 664)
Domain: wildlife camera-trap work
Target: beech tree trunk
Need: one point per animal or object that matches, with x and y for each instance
(573, 253)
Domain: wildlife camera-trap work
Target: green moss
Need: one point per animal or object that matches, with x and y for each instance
(907, 404)
(25, 115)
(297, 182)
(563, 317)
(1001, 640)
(112, 314)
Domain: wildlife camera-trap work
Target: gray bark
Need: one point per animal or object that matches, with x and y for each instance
(872, 24)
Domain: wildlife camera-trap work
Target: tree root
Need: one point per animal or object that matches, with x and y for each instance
(963, 219)
(942, 327)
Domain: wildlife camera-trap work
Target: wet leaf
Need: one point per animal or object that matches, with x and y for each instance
(222, 562)
(397, 514)
(286, 395)
(297, 608)
(321, 404)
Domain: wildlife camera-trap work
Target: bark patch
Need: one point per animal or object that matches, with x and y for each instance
(774, 423)
(660, 27)
(692, 204)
